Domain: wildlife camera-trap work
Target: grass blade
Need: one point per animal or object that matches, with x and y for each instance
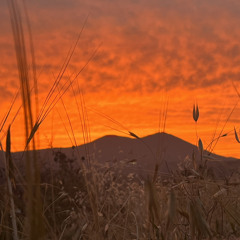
(236, 135)
(6, 158)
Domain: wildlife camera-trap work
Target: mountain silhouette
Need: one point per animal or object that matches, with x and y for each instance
(136, 155)
(166, 150)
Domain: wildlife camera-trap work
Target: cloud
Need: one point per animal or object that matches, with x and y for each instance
(180, 42)
(181, 46)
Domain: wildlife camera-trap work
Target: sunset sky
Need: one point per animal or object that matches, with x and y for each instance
(149, 52)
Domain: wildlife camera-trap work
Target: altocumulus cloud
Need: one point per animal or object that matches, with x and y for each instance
(146, 45)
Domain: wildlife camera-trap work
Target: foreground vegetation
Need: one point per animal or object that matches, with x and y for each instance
(188, 204)
(84, 200)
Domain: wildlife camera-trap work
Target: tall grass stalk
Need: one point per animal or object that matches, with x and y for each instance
(161, 128)
(34, 218)
(9, 172)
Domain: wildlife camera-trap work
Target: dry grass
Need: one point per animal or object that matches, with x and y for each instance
(188, 204)
(85, 200)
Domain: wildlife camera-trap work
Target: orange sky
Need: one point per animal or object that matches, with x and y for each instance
(184, 51)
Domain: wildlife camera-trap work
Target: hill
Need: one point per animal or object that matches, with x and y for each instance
(136, 155)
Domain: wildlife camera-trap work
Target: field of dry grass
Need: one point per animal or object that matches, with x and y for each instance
(188, 204)
(101, 201)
